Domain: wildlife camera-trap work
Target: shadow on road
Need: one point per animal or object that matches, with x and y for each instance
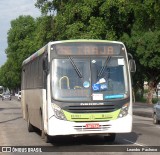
(91, 143)
(94, 140)
(1, 109)
(11, 108)
(10, 120)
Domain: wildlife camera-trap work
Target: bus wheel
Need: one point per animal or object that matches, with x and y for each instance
(110, 138)
(29, 125)
(45, 136)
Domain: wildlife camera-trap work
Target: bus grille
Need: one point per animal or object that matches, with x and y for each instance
(90, 109)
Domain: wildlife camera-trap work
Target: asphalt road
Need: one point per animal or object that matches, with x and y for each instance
(13, 132)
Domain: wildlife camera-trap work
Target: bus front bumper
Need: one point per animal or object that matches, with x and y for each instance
(61, 127)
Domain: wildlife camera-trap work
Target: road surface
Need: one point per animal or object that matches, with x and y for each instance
(13, 132)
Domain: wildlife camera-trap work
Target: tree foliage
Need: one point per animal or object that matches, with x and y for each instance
(94, 19)
(20, 45)
(25, 37)
(145, 42)
(136, 23)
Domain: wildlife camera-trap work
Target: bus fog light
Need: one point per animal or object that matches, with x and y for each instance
(124, 111)
(58, 112)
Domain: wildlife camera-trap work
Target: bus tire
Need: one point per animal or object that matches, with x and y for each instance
(43, 134)
(110, 138)
(29, 125)
(47, 138)
(42, 126)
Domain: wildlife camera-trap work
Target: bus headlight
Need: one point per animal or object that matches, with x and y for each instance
(124, 111)
(58, 112)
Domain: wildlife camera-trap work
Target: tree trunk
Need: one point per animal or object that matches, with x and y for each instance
(150, 92)
(133, 96)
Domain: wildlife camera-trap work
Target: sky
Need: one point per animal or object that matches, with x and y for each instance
(10, 10)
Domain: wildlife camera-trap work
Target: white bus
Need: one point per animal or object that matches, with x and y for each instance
(78, 87)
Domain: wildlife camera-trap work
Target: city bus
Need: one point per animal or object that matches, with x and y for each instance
(78, 87)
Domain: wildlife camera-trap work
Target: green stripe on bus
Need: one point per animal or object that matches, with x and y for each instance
(81, 117)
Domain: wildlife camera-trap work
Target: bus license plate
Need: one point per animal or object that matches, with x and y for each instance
(92, 126)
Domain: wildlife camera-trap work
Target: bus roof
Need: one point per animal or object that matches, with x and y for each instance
(86, 40)
(35, 55)
(43, 49)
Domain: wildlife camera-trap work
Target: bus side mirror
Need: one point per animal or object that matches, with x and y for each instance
(132, 65)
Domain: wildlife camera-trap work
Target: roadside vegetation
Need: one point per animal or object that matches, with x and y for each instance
(142, 97)
(136, 23)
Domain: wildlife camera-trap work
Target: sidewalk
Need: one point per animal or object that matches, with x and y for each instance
(142, 109)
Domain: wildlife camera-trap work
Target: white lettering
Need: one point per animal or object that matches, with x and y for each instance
(91, 104)
(34, 150)
(133, 150)
(149, 150)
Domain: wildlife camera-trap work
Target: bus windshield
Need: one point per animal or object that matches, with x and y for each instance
(89, 79)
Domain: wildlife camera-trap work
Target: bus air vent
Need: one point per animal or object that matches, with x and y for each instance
(90, 109)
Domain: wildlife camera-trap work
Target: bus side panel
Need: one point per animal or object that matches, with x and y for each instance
(33, 99)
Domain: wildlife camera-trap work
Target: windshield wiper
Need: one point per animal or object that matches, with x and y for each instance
(103, 67)
(75, 67)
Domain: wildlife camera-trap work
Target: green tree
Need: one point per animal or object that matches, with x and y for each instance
(44, 31)
(9, 77)
(134, 22)
(20, 46)
(148, 51)
(144, 43)
(94, 19)
(25, 37)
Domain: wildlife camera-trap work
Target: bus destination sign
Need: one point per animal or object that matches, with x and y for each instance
(88, 49)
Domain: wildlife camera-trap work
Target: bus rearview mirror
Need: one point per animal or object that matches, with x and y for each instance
(132, 65)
